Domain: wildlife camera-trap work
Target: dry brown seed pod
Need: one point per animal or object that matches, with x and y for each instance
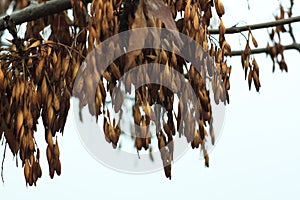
(256, 81)
(128, 83)
(255, 67)
(206, 157)
(161, 140)
(219, 56)
(39, 170)
(250, 78)
(151, 154)
(197, 140)
(39, 68)
(65, 64)
(179, 5)
(104, 24)
(29, 120)
(222, 28)
(163, 57)
(21, 133)
(56, 149)
(111, 132)
(51, 171)
(212, 134)
(34, 175)
(38, 154)
(106, 130)
(31, 145)
(118, 101)
(19, 121)
(49, 139)
(56, 102)
(44, 88)
(226, 46)
(50, 115)
(115, 71)
(92, 32)
(30, 179)
(31, 160)
(26, 171)
(224, 67)
(217, 95)
(115, 134)
(167, 169)
(1, 76)
(109, 10)
(178, 117)
(161, 94)
(138, 143)
(219, 8)
(173, 60)
(136, 114)
(22, 88)
(58, 167)
(223, 93)
(254, 41)
(49, 99)
(107, 76)
(187, 11)
(167, 129)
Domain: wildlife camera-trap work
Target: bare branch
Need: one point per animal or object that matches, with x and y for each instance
(295, 46)
(290, 25)
(34, 12)
(233, 30)
(3, 162)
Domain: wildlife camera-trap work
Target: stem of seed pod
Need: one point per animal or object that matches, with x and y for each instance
(3, 162)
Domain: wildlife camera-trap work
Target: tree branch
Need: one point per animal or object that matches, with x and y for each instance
(290, 26)
(3, 162)
(233, 30)
(295, 46)
(55, 6)
(34, 12)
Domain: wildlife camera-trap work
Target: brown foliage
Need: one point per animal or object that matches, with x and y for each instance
(37, 76)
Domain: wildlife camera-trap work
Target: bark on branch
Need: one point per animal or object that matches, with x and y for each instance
(55, 6)
(295, 46)
(233, 30)
(34, 12)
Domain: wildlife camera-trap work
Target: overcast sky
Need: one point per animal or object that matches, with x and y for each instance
(257, 156)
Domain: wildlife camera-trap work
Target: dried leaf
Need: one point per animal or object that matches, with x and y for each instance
(222, 28)
(219, 8)
(254, 41)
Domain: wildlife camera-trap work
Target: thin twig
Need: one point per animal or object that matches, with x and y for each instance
(235, 29)
(290, 25)
(55, 6)
(3, 162)
(248, 4)
(295, 46)
(34, 12)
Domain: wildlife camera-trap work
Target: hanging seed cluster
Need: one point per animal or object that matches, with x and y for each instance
(275, 49)
(37, 76)
(28, 90)
(36, 81)
(249, 63)
(111, 17)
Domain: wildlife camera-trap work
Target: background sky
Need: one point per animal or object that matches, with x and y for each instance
(257, 156)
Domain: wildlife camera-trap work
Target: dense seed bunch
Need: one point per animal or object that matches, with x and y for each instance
(143, 13)
(38, 76)
(36, 81)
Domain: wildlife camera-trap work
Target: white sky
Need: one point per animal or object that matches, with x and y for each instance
(257, 157)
